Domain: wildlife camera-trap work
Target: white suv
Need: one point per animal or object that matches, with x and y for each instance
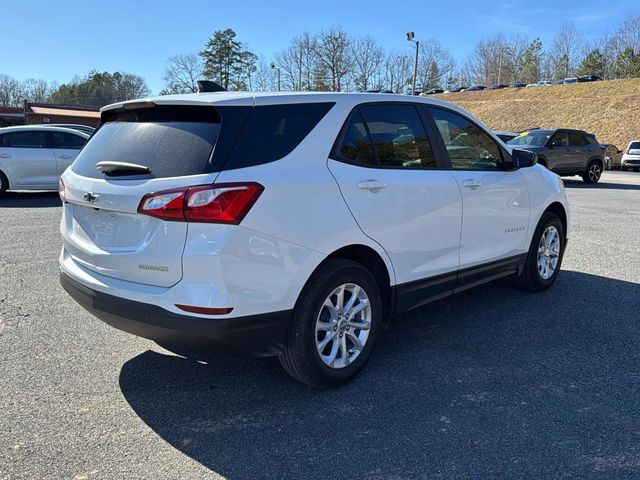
(295, 224)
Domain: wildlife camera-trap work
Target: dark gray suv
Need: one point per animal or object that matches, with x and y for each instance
(565, 152)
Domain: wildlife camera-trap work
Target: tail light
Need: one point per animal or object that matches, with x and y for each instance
(61, 190)
(217, 203)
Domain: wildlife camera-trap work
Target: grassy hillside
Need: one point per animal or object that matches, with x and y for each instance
(609, 109)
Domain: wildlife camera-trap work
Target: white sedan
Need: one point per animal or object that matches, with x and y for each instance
(32, 157)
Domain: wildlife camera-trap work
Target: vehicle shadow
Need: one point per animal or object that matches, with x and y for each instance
(493, 383)
(30, 200)
(570, 183)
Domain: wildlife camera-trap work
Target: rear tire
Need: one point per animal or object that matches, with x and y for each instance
(593, 172)
(321, 348)
(4, 184)
(543, 252)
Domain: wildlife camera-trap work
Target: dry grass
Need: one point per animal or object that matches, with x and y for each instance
(609, 109)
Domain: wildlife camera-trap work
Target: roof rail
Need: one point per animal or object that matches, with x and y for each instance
(209, 86)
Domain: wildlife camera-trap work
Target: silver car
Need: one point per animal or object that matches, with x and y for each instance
(32, 157)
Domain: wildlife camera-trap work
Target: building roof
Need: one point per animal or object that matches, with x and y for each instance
(63, 110)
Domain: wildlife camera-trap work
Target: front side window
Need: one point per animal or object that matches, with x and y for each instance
(560, 139)
(31, 139)
(532, 138)
(467, 145)
(398, 136)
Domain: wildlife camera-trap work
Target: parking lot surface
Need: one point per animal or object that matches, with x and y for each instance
(492, 383)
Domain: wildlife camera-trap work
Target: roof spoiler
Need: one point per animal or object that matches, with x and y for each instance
(209, 86)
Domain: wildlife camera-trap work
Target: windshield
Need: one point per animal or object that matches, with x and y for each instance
(536, 139)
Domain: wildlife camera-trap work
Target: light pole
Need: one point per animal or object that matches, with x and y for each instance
(273, 65)
(411, 38)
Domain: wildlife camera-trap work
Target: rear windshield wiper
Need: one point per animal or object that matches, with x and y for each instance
(121, 168)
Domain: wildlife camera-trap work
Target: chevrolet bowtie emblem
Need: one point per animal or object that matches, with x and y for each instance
(90, 197)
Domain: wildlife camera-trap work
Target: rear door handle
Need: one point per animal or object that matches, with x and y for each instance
(5, 155)
(472, 184)
(65, 157)
(371, 185)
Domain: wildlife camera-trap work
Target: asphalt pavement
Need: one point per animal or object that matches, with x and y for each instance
(494, 383)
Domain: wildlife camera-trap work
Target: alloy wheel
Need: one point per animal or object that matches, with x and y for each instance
(548, 252)
(343, 325)
(595, 172)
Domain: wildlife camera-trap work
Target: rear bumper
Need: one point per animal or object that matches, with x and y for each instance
(256, 335)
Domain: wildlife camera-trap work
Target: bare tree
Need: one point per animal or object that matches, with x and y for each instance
(334, 53)
(435, 64)
(368, 56)
(297, 63)
(35, 90)
(182, 73)
(10, 92)
(265, 77)
(566, 51)
(397, 70)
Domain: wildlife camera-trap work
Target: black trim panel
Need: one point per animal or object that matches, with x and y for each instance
(255, 335)
(411, 295)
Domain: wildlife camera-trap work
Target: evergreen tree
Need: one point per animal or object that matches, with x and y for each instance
(227, 62)
(592, 64)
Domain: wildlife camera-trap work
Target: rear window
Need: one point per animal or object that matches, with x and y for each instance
(273, 131)
(170, 141)
(634, 146)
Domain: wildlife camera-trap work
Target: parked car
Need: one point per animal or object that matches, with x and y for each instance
(505, 136)
(432, 91)
(474, 88)
(258, 242)
(499, 86)
(612, 156)
(557, 82)
(517, 85)
(589, 78)
(565, 152)
(570, 80)
(456, 89)
(32, 157)
(631, 157)
(81, 128)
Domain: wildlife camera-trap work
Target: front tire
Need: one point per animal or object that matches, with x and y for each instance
(593, 172)
(334, 326)
(544, 259)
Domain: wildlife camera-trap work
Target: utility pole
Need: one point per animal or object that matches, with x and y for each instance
(273, 65)
(410, 37)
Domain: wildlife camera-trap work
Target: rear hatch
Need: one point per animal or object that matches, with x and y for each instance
(166, 147)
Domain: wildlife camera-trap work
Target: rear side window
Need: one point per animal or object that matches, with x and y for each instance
(398, 136)
(67, 140)
(171, 141)
(30, 139)
(355, 145)
(576, 139)
(274, 131)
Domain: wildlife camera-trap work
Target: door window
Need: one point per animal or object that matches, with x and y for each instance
(467, 145)
(560, 139)
(67, 140)
(576, 140)
(398, 136)
(356, 145)
(26, 139)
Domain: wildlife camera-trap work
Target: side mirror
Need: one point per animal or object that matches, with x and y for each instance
(523, 158)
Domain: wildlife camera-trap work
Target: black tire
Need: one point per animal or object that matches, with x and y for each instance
(300, 358)
(530, 278)
(4, 184)
(593, 172)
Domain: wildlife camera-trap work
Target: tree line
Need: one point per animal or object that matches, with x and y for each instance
(95, 89)
(334, 60)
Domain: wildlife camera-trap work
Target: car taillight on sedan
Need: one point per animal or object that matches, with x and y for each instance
(218, 203)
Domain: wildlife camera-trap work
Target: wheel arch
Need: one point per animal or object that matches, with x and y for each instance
(374, 263)
(6, 179)
(559, 210)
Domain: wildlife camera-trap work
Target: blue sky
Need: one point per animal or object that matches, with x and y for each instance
(56, 40)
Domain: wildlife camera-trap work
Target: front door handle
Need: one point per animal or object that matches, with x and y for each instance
(5, 155)
(65, 157)
(371, 185)
(472, 184)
